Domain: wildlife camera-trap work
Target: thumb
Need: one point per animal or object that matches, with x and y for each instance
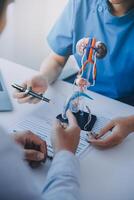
(57, 125)
(73, 127)
(71, 119)
(104, 130)
(33, 155)
(29, 83)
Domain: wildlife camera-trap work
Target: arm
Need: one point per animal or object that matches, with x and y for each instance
(62, 182)
(49, 72)
(60, 40)
(52, 67)
(63, 176)
(16, 180)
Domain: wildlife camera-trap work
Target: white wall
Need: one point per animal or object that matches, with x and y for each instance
(29, 21)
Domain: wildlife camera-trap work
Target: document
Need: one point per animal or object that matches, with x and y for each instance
(40, 122)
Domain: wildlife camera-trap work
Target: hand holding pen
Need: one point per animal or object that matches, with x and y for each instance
(35, 149)
(33, 90)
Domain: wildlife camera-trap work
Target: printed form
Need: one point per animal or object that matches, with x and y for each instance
(40, 122)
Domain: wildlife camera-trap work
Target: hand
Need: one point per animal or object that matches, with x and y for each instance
(120, 127)
(38, 84)
(66, 137)
(35, 149)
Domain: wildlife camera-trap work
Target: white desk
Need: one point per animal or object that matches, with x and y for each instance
(107, 174)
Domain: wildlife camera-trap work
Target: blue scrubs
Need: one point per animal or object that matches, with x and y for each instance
(92, 18)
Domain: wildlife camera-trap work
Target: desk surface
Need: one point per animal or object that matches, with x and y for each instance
(106, 174)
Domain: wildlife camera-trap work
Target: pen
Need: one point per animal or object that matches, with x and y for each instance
(30, 92)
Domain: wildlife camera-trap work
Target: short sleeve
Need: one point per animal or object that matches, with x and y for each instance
(60, 37)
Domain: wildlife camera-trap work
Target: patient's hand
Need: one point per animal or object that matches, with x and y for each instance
(38, 84)
(120, 129)
(66, 137)
(35, 149)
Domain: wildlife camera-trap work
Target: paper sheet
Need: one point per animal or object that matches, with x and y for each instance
(40, 122)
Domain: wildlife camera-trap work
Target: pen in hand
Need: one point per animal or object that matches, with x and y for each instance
(30, 92)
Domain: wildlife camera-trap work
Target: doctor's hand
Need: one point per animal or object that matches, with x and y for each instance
(35, 149)
(66, 137)
(38, 84)
(120, 128)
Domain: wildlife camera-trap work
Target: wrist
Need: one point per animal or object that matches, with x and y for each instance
(64, 151)
(46, 77)
(131, 124)
(57, 150)
(43, 76)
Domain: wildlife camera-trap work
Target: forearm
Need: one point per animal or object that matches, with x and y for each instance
(63, 178)
(52, 67)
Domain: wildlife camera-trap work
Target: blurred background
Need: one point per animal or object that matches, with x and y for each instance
(29, 21)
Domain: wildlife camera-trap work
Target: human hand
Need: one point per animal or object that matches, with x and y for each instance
(35, 149)
(38, 84)
(120, 129)
(66, 137)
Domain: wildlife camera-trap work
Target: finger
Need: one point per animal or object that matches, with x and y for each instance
(31, 137)
(35, 100)
(34, 85)
(22, 136)
(105, 143)
(43, 147)
(33, 155)
(24, 84)
(19, 95)
(71, 119)
(104, 130)
(57, 124)
(36, 140)
(25, 99)
(64, 125)
(91, 136)
(73, 125)
(29, 84)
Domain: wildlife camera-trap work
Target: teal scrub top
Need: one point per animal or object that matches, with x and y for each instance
(92, 18)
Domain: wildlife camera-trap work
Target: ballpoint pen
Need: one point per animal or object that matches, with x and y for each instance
(30, 92)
